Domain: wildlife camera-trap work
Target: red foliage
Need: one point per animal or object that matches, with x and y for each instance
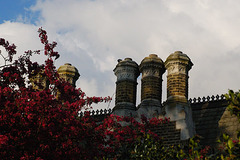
(10, 48)
(37, 125)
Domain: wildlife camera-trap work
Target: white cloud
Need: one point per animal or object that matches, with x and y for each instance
(92, 35)
(24, 36)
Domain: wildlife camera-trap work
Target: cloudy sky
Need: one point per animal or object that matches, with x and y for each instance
(93, 34)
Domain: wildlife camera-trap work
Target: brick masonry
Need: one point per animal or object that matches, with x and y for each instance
(152, 69)
(126, 86)
(178, 65)
(177, 84)
(39, 81)
(209, 117)
(151, 88)
(126, 92)
(169, 133)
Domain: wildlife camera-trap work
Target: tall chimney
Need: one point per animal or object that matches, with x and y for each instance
(177, 107)
(39, 81)
(152, 69)
(126, 86)
(177, 64)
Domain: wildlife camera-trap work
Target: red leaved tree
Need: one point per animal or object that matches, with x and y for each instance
(37, 124)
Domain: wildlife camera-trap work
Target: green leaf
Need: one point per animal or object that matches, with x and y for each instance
(225, 137)
(148, 136)
(222, 157)
(230, 144)
(227, 96)
(231, 93)
(191, 141)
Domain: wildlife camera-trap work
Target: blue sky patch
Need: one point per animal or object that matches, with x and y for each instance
(17, 10)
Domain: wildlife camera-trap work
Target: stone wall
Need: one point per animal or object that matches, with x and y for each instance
(229, 124)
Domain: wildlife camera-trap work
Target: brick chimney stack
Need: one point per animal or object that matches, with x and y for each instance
(152, 69)
(177, 64)
(177, 107)
(126, 86)
(39, 81)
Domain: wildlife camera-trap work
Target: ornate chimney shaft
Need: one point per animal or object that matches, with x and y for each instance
(177, 64)
(152, 69)
(69, 73)
(126, 86)
(177, 107)
(39, 81)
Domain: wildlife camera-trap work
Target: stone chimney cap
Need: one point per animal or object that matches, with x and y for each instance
(126, 65)
(152, 61)
(152, 58)
(153, 55)
(128, 59)
(179, 55)
(67, 68)
(127, 62)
